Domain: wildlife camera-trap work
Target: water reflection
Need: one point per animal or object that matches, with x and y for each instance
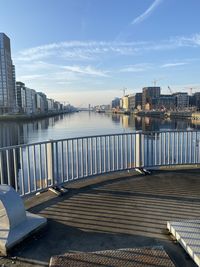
(146, 124)
(88, 124)
(84, 124)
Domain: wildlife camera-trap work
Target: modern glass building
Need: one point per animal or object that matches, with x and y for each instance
(7, 77)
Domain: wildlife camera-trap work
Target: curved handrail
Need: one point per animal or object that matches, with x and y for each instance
(34, 167)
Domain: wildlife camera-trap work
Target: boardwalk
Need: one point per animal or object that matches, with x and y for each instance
(113, 212)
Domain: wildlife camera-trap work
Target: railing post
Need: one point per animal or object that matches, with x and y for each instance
(138, 150)
(50, 162)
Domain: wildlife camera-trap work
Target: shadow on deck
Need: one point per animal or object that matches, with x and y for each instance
(126, 211)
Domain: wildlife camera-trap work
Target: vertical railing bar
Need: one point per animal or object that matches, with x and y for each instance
(86, 157)
(72, 158)
(8, 166)
(168, 139)
(108, 143)
(134, 150)
(95, 155)
(28, 169)
(105, 154)
(22, 171)
(173, 159)
(1, 168)
(34, 168)
(126, 147)
(177, 148)
(122, 162)
(131, 148)
(155, 148)
(82, 160)
(91, 156)
(196, 140)
(46, 164)
(148, 158)
(67, 160)
(187, 147)
(198, 151)
(62, 162)
(117, 152)
(15, 168)
(181, 147)
(164, 148)
(40, 166)
(113, 148)
(152, 150)
(190, 148)
(100, 154)
(77, 160)
(160, 149)
(142, 148)
(57, 163)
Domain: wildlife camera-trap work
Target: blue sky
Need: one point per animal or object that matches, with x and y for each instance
(86, 51)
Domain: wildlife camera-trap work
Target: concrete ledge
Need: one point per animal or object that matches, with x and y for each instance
(187, 233)
(15, 223)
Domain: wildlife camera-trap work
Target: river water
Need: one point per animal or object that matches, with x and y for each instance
(83, 124)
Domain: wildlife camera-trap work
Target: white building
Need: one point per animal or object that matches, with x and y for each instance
(50, 103)
(7, 77)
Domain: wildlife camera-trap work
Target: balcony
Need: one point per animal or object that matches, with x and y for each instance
(114, 211)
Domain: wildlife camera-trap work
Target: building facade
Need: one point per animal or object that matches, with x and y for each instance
(138, 101)
(182, 100)
(164, 102)
(148, 93)
(21, 96)
(7, 77)
(116, 102)
(131, 102)
(125, 103)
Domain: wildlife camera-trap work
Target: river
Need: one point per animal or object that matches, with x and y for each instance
(83, 124)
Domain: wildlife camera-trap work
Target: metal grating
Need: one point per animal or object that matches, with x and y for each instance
(137, 257)
(187, 233)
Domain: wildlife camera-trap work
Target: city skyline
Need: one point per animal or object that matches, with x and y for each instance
(77, 50)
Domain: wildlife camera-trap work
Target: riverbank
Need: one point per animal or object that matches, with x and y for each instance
(163, 114)
(31, 117)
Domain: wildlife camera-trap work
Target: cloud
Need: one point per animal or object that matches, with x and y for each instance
(136, 68)
(86, 70)
(169, 65)
(147, 13)
(78, 51)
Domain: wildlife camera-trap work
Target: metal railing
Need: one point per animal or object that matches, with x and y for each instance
(34, 167)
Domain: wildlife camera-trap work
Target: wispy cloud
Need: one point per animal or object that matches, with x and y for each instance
(136, 68)
(92, 50)
(169, 65)
(86, 70)
(76, 50)
(147, 13)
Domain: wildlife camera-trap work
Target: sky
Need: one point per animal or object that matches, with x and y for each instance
(87, 51)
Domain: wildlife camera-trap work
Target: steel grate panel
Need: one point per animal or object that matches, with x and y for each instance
(187, 233)
(138, 257)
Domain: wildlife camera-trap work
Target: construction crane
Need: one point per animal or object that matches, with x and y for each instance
(154, 82)
(190, 89)
(124, 91)
(171, 92)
